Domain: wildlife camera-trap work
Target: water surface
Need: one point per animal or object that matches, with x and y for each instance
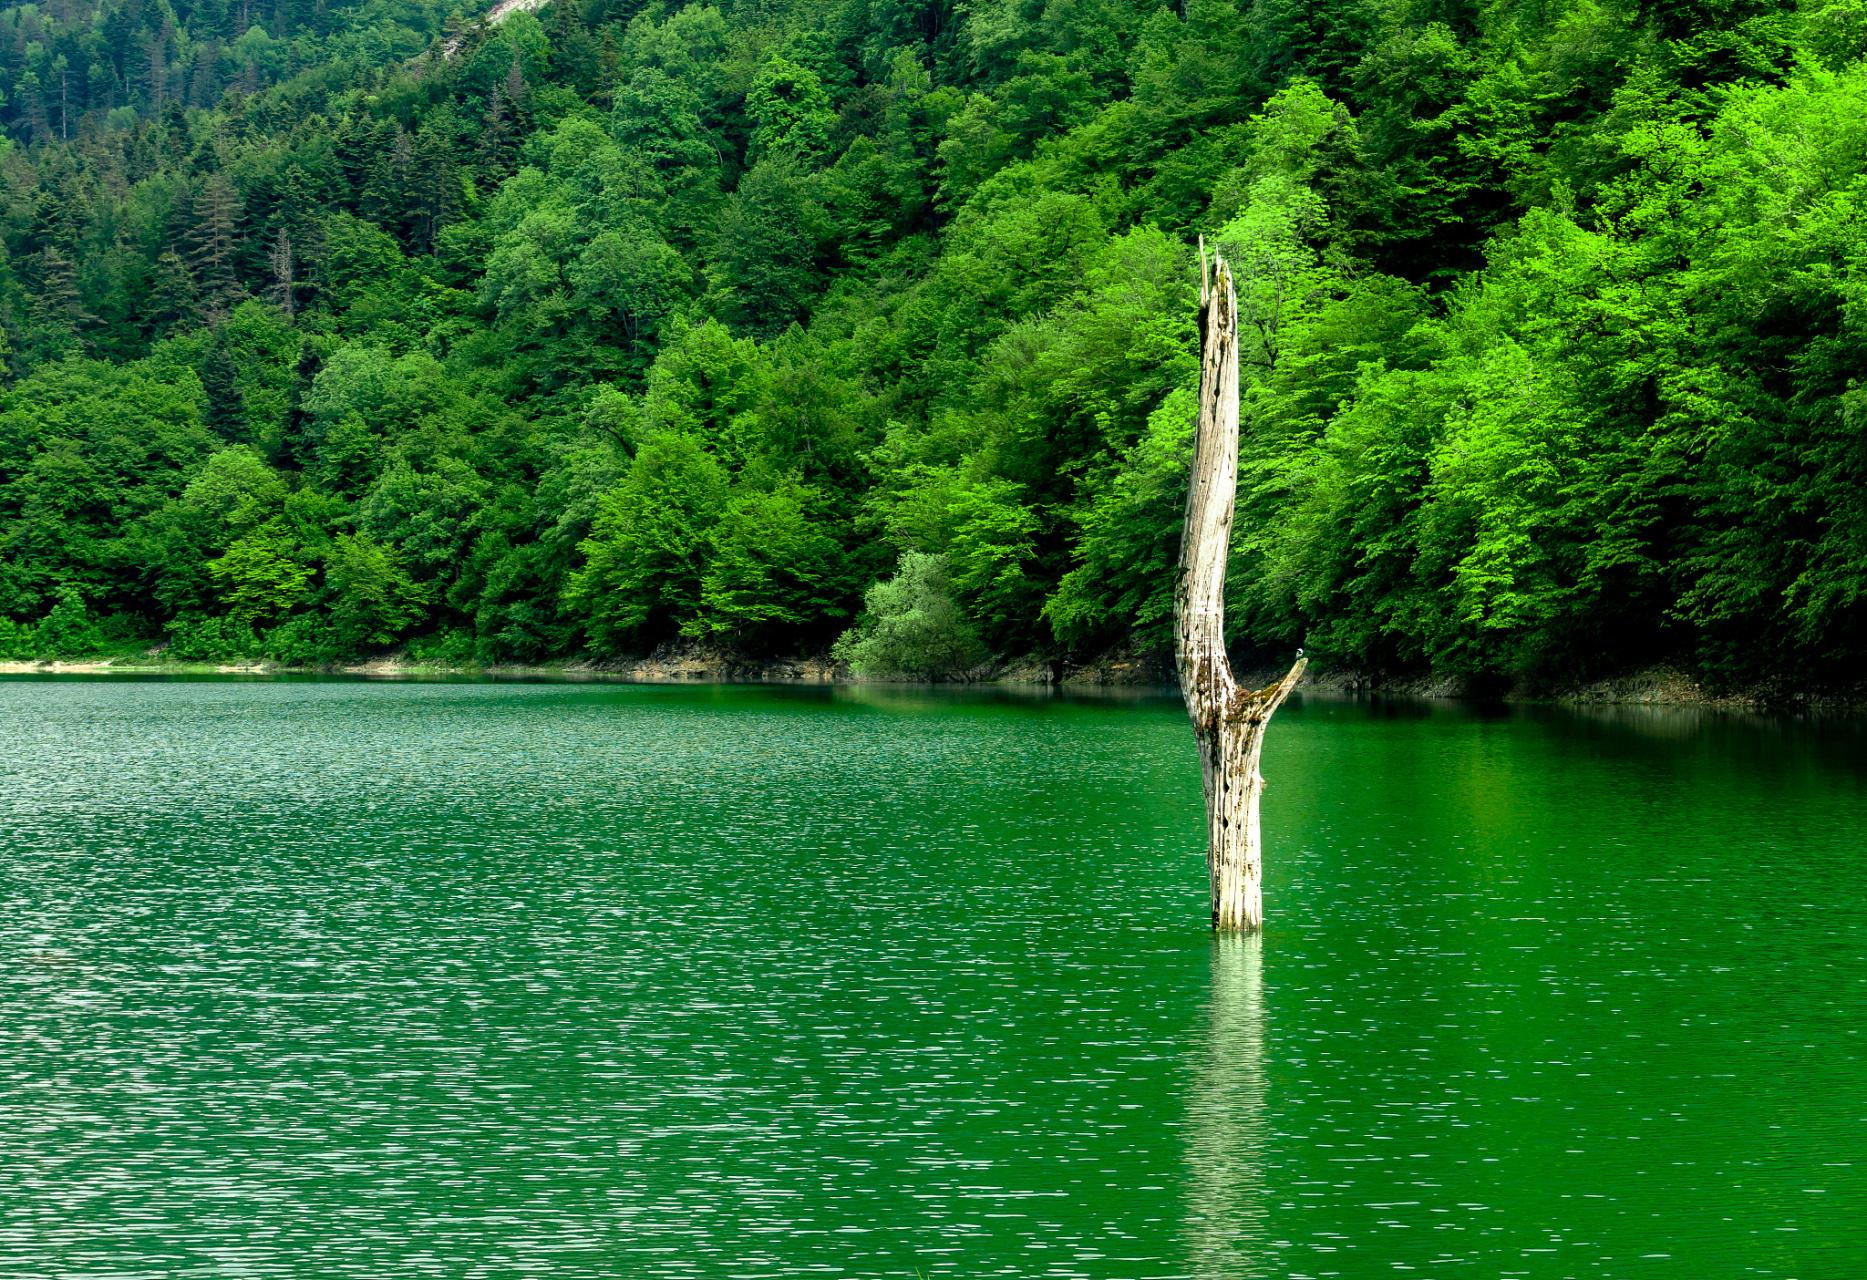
(341, 978)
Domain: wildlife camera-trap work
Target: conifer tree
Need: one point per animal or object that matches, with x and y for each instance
(156, 66)
(493, 135)
(32, 98)
(518, 94)
(215, 242)
(172, 136)
(50, 223)
(297, 209)
(101, 85)
(436, 189)
(610, 60)
(61, 71)
(283, 287)
(358, 144)
(385, 195)
(226, 409)
(299, 441)
(574, 55)
(201, 84)
(56, 303)
(174, 302)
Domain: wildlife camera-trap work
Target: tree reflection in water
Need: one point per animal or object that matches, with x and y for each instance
(1225, 1120)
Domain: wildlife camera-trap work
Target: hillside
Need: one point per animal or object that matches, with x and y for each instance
(334, 327)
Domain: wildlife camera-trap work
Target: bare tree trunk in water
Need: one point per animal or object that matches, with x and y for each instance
(1228, 721)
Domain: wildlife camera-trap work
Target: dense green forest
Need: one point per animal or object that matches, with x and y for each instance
(333, 327)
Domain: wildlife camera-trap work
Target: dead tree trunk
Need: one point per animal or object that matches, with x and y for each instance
(1228, 721)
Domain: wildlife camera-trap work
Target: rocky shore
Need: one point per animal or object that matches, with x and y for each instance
(1127, 667)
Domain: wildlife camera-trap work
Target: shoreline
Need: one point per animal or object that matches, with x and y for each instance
(1657, 685)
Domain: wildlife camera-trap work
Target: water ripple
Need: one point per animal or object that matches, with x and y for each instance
(340, 978)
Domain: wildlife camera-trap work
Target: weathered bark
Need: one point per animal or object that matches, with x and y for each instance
(1228, 721)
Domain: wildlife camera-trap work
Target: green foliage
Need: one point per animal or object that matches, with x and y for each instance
(68, 631)
(237, 488)
(1129, 545)
(18, 642)
(220, 639)
(427, 516)
(375, 600)
(306, 640)
(773, 570)
(448, 649)
(764, 256)
(608, 325)
(262, 574)
(645, 559)
(911, 626)
(993, 544)
(789, 110)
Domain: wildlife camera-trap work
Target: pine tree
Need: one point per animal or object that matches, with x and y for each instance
(61, 70)
(201, 85)
(173, 133)
(56, 303)
(32, 101)
(101, 85)
(226, 409)
(156, 66)
(472, 38)
(493, 136)
(78, 211)
(237, 126)
(611, 59)
(283, 288)
(51, 224)
(357, 143)
(565, 22)
(575, 54)
(436, 189)
(297, 208)
(174, 302)
(519, 96)
(215, 244)
(453, 33)
(299, 441)
(385, 195)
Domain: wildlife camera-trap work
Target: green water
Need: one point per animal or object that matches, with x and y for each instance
(327, 978)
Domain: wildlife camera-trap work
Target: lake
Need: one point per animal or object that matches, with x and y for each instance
(327, 977)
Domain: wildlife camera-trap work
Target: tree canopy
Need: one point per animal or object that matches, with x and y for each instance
(335, 326)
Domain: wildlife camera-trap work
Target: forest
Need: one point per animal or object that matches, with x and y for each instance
(332, 329)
